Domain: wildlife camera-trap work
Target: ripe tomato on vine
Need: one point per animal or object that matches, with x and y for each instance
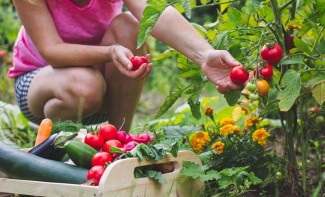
(262, 87)
(271, 53)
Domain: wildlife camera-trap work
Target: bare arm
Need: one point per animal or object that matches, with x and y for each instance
(38, 22)
(174, 30)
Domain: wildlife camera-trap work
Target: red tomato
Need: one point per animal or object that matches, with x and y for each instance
(238, 75)
(111, 143)
(108, 131)
(3, 53)
(95, 173)
(266, 72)
(271, 53)
(137, 61)
(94, 140)
(101, 158)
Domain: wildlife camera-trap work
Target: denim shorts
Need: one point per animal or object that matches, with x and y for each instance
(22, 83)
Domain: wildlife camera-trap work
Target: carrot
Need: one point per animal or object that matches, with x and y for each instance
(44, 131)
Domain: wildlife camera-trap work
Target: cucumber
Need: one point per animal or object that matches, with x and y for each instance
(80, 153)
(18, 164)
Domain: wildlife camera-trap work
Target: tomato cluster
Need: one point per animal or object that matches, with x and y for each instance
(104, 140)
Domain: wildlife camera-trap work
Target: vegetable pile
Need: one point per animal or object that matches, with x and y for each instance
(82, 155)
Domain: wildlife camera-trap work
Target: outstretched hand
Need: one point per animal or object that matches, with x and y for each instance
(121, 57)
(217, 66)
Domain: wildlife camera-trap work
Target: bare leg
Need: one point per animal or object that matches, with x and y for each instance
(123, 93)
(66, 93)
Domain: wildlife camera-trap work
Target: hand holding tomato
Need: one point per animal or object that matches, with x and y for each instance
(217, 65)
(121, 57)
(137, 61)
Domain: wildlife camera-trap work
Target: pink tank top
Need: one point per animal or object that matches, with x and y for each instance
(77, 25)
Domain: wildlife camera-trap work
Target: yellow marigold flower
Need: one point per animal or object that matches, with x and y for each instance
(260, 136)
(226, 121)
(227, 130)
(218, 146)
(199, 140)
(237, 130)
(208, 111)
(262, 143)
(252, 120)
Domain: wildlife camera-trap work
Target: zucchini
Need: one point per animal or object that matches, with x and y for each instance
(47, 149)
(80, 153)
(18, 164)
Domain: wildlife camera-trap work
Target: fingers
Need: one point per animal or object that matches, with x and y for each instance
(228, 59)
(228, 86)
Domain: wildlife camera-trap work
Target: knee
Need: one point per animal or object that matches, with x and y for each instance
(89, 89)
(123, 30)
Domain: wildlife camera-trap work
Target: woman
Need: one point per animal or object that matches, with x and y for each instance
(72, 58)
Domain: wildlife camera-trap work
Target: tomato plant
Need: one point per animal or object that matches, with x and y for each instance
(239, 76)
(137, 61)
(94, 140)
(271, 53)
(108, 131)
(101, 158)
(262, 87)
(95, 173)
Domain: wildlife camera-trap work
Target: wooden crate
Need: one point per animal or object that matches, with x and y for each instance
(117, 180)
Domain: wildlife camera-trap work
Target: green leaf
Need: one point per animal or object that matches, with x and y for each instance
(254, 179)
(234, 15)
(200, 29)
(235, 49)
(174, 94)
(115, 150)
(63, 137)
(211, 175)
(225, 182)
(150, 16)
(194, 103)
(318, 92)
(191, 73)
(156, 176)
(221, 40)
(180, 131)
(301, 45)
(186, 4)
(166, 54)
(293, 59)
(291, 85)
(232, 97)
(191, 169)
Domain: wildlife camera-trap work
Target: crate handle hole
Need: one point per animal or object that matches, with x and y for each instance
(163, 168)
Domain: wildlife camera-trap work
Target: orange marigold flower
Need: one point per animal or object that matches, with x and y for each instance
(252, 120)
(199, 140)
(237, 130)
(226, 121)
(260, 136)
(208, 111)
(218, 146)
(227, 130)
